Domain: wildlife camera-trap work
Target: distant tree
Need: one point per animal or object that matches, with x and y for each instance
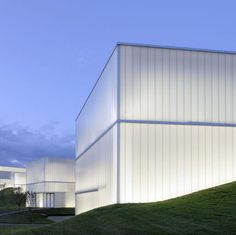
(6, 197)
(12, 196)
(19, 197)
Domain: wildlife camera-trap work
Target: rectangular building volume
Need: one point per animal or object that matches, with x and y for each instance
(159, 123)
(50, 183)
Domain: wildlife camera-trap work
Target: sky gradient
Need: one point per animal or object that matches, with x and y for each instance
(51, 54)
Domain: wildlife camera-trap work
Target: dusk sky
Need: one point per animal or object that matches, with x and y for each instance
(52, 52)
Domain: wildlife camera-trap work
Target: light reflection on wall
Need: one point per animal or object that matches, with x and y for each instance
(174, 132)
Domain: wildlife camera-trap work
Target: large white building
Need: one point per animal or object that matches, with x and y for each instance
(51, 183)
(159, 123)
(12, 177)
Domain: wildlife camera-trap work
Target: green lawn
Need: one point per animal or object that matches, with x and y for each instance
(211, 211)
(8, 209)
(25, 218)
(9, 230)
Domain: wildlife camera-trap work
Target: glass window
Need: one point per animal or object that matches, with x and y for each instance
(5, 175)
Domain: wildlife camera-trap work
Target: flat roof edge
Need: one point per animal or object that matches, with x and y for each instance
(18, 169)
(175, 48)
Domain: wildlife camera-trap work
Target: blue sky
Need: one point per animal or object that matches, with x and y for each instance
(52, 51)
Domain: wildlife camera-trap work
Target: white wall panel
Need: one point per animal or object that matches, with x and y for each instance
(96, 174)
(177, 85)
(188, 159)
(51, 187)
(234, 88)
(100, 110)
(59, 187)
(36, 171)
(61, 170)
(158, 150)
(229, 87)
(136, 165)
(86, 201)
(208, 84)
(20, 178)
(36, 187)
(64, 200)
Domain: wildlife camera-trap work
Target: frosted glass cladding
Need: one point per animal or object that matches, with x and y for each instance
(36, 171)
(100, 110)
(20, 180)
(177, 85)
(51, 175)
(59, 187)
(64, 200)
(59, 170)
(51, 187)
(36, 187)
(159, 162)
(96, 174)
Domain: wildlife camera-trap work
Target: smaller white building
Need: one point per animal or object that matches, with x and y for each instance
(12, 177)
(51, 183)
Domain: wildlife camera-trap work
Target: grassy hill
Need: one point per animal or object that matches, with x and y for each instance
(211, 211)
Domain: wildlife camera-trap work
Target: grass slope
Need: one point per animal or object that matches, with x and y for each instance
(25, 218)
(211, 211)
(9, 230)
(9, 209)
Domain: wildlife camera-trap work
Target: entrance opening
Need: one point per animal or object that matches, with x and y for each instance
(50, 200)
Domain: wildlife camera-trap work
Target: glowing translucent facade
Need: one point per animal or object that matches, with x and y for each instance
(174, 131)
(52, 180)
(12, 177)
(96, 167)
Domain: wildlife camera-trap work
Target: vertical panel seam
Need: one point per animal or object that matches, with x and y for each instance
(118, 126)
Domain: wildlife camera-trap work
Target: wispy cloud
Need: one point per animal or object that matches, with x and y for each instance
(19, 144)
